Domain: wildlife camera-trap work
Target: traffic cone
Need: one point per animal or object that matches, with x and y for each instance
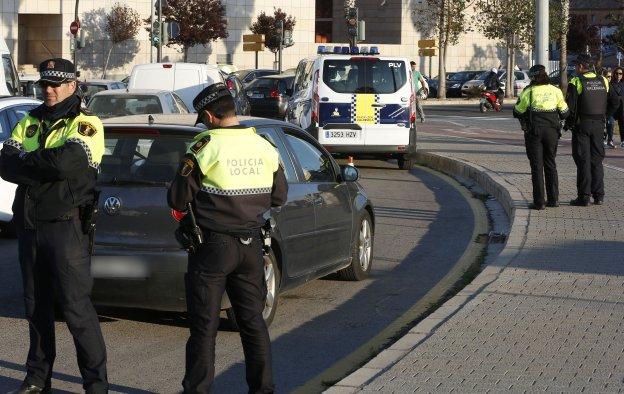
(350, 161)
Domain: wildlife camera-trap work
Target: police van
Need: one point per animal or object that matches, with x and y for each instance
(355, 101)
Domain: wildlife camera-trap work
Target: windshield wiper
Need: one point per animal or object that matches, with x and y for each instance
(122, 182)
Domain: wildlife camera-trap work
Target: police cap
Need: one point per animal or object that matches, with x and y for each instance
(583, 59)
(535, 70)
(57, 70)
(207, 96)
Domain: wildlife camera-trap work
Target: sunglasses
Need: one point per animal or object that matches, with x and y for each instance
(45, 84)
(619, 73)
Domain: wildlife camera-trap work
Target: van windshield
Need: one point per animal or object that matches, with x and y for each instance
(10, 75)
(364, 75)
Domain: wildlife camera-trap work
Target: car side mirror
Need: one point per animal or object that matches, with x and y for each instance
(349, 173)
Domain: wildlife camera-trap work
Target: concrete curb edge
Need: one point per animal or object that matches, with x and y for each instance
(515, 206)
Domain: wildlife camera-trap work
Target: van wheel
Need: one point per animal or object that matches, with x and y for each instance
(405, 163)
(362, 251)
(272, 278)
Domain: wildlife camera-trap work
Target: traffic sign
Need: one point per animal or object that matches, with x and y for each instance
(173, 28)
(427, 52)
(427, 43)
(253, 46)
(619, 55)
(259, 38)
(73, 27)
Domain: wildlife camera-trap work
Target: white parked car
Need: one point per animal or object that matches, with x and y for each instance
(113, 103)
(521, 81)
(12, 109)
(185, 79)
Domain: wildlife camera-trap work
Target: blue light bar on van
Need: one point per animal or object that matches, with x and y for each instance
(340, 50)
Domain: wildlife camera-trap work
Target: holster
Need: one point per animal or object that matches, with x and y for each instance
(188, 235)
(88, 217)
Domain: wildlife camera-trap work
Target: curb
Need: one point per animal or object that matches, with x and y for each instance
(513, 203)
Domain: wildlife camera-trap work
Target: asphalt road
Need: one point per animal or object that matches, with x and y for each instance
(497, 127)
(423, 226)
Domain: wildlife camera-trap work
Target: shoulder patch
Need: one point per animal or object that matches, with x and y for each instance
(86, 129)
(31, 130)
(186, 167)
(200, 144)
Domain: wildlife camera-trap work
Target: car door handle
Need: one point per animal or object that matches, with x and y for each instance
(324, 98)
(378, 105)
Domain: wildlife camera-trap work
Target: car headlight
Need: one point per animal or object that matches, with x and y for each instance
(455, 86)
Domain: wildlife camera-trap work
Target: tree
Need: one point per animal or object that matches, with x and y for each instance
(447, 20)
(266, 24)
(200, 21)
(583, 37)
(559, 28)
(122, 23)
(513, 22)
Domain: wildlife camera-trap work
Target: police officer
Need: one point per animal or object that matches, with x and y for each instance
(53, 155)
(588, 99)
(540, 109)
(231, 176)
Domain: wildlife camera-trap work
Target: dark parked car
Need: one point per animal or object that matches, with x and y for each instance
(246, 76)
(327, 224)
(555, 76)
(237, 89)
(454, 84)
(269, 96)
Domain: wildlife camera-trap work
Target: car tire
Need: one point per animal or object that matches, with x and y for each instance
(483, 108)
(272, 278)
(362, 251)
(7, 230)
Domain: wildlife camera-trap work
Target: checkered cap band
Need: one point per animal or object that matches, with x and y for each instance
(201, 104)
(57, 74)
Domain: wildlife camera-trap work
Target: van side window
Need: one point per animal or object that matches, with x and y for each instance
(298, 84)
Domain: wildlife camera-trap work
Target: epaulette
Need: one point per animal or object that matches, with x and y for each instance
(200, 144)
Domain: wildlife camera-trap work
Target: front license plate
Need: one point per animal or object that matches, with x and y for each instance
(341, 134)
(257, 96)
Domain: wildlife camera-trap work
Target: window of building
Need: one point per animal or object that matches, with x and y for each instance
(324, 21)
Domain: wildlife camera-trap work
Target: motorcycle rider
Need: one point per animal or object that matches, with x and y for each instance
(493, 84)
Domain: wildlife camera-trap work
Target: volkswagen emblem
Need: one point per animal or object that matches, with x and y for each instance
(112, 205)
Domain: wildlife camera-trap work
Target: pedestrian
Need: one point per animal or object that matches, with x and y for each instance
(540, 108)
(53, 155)
(231, 176)
(419, 83)
(608, 136)
(588, 100)
(616, 91)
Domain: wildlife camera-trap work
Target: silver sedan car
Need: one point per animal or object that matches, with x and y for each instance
(114, 103)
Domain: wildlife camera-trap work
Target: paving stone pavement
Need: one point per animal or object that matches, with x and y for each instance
(546, 315)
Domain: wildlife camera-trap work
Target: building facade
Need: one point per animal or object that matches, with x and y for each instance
(39, 29)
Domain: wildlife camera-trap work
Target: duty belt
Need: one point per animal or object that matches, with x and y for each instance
(245, 241)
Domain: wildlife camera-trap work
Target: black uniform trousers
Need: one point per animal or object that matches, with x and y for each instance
(541, 148)
(224, 263)
(588, 153)
(56, 265)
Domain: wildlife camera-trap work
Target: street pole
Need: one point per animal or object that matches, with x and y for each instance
(541, 33)
(256, 60)
(75, 35)
(151, 44)
(160, 33)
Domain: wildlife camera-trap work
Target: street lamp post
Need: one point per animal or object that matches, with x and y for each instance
(75, 49)
(541, 33)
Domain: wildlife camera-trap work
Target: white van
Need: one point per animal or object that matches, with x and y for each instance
(10, 85)
(356, 102)
(186, 79)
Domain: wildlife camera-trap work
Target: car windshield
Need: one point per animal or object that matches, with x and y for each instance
(141, 159)
(106, 106)
(263, 83)
(360, 75)
(91, 89)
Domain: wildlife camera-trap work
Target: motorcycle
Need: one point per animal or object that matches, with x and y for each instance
(489, 102)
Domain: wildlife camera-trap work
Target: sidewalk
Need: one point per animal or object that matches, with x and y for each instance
(546, 315)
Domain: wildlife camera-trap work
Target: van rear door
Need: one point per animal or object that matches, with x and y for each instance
(152, 76)
(388, 82)
(364, 101)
